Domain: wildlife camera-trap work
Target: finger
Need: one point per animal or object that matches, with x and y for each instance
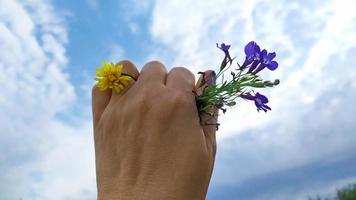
(181, 78)
(100, 99)
(209, 117)
(153, 72)
(205, 80)
(129, 69)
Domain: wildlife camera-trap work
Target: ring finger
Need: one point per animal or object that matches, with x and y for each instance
(129, 69)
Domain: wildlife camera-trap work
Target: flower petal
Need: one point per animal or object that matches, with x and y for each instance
(225, 47)
(102, 85)
(119, 69)
(118, 88)
(273, 65)
(267, 107)
(263, 53)
(248, 97)
(262, 97)
(125, 78)
(257, 50)
(99, 71)
(246, 62)
(272, 55)
(259, 68)
(104, 64)
(250, 48)
(258, 105)
(253, 66)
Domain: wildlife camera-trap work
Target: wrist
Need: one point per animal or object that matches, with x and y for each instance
(152, 190)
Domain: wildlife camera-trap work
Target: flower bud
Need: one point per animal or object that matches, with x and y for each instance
(232, 103)
(259, 85)
(276, 82)
(268, 84)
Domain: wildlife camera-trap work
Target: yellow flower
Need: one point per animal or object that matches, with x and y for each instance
(110, 76)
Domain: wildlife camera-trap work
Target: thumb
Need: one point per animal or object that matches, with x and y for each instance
(208, 118)
(100, 99)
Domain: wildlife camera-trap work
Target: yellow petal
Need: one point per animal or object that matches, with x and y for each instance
(119, 69)
(99, 71)
(125, 78)
(118, 88)
(124, 83)
(110, 66)
(102, 86)
(105, 64)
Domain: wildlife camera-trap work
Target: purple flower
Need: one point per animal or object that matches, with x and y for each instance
(260, 101)
(253, 55)
(267, 61)
(223, 47)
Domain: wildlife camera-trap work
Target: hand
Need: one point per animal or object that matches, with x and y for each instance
(149, 143)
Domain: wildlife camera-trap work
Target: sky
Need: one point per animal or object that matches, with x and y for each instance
(49, 50)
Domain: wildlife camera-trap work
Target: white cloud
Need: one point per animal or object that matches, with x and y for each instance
(68, 167)
(41, 158)
(314, 42)
(62, 169)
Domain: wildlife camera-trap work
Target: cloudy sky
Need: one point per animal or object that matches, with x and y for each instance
(49, 50)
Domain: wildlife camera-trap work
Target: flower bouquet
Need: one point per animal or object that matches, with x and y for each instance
(243, 80)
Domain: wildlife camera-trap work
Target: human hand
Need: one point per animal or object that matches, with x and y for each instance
(149, 143)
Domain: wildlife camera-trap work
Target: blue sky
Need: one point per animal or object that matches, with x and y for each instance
(49, 50)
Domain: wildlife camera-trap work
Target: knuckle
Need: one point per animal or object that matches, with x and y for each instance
(183, 71)
(153, 63)
(153, 67)
(179, 69)
(125, 62)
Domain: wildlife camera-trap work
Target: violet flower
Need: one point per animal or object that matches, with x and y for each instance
(225, 48)
(253, 55)
(267, 61)
(259, 99)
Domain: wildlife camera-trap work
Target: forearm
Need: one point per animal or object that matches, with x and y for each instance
(153, 194)
(153, 190)
(165, 188)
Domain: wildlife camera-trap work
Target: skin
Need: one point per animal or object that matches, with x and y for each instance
(149, 143)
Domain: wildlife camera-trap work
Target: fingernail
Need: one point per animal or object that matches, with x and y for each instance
(201, 80)
(210, 78)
